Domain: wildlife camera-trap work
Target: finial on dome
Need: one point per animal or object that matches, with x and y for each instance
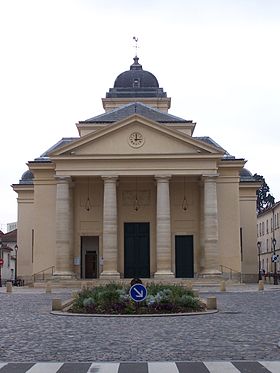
(136, 44)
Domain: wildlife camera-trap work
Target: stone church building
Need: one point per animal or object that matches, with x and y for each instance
(136, 195)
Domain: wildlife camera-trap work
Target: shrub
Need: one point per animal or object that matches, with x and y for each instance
(114, 299)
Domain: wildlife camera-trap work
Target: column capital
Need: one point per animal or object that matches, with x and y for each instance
(162, 178)
(210, 177)
(110, 178)
(63, 179)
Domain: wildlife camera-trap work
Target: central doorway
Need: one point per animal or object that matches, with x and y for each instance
(136, 250)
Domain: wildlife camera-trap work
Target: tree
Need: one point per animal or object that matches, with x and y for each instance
(264, 199)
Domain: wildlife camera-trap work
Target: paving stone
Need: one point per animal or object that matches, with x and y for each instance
(246, 328)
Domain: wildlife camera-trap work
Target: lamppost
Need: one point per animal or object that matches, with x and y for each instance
(16, 250)
(259, 244)
(275, 263)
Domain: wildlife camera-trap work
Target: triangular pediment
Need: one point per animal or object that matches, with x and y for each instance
(134, 136)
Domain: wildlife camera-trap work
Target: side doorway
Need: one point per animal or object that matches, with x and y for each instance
(184, 266)
(90, 257)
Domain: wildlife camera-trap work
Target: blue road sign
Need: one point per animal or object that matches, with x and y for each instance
(138, 292)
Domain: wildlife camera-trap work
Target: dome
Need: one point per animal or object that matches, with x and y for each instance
(246, 175)
(27, 177)
(136, 77)
(134, 83)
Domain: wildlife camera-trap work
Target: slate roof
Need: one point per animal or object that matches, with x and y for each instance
(135, 108)
(210, 141)
(59, 144)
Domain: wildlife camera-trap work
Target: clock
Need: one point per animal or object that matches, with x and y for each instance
(136, 139)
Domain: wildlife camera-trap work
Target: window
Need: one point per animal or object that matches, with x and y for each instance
(136, 83)
(262, 228)
(267, 248)
(9, 260)
(277, 218)
(257, 230)
(266, 226)
(271, 224)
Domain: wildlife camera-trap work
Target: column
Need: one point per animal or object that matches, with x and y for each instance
(64, 255)
(211, 250)
(163, 231)
(110, 232)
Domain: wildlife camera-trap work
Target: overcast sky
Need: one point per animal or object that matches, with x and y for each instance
(219, 61)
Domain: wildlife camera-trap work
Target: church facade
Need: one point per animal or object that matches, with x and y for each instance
(137, 195)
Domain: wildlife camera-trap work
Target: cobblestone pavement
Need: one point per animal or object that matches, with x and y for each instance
(245, 328)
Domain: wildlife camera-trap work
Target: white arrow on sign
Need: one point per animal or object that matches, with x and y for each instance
(139, 294)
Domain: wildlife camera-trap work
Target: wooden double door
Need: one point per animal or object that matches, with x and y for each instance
(136, 250)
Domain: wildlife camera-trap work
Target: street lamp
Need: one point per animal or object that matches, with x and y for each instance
(259, 244)
(275, 263)
(16, 250)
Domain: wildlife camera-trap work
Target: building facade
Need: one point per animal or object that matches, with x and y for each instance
(268, 235)
(137, 195)
(8, 252)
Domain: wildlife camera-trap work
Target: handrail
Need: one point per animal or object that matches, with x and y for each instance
(231, 271)
(43, 272)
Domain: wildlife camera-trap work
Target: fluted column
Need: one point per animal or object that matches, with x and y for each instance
(211, 250)
(64, 255)
(110, 231)
(163, 230)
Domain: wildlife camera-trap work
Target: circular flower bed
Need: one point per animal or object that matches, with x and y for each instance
(114, 299)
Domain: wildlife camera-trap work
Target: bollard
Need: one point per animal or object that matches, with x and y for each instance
(48, 287)
(261, 285)
(211, 303)
(223, 286)
(56, 304)
(9, 287)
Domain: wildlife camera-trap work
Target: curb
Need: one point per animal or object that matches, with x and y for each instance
(60, 313)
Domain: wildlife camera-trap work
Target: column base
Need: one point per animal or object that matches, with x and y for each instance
(164, 275)
(110, 275)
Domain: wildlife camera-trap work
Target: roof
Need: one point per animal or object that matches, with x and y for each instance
(135, 108)
(59, 144)
(135, 82)
(210, 141)
(10, 236)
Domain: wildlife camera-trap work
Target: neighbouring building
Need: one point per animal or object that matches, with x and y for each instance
(8, 252)
(137, 195)
(268, 229)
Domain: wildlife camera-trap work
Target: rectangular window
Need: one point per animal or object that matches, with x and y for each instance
(271, 225)
(9, 260)
(267, 245)
(262, 228)
(257, 230)
(266, 226)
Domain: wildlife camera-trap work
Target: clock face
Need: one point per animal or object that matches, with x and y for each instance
(136, 139)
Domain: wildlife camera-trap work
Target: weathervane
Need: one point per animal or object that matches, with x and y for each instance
(136, 45)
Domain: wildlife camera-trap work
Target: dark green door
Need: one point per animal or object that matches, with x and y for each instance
(184, 256)
(136, 250)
